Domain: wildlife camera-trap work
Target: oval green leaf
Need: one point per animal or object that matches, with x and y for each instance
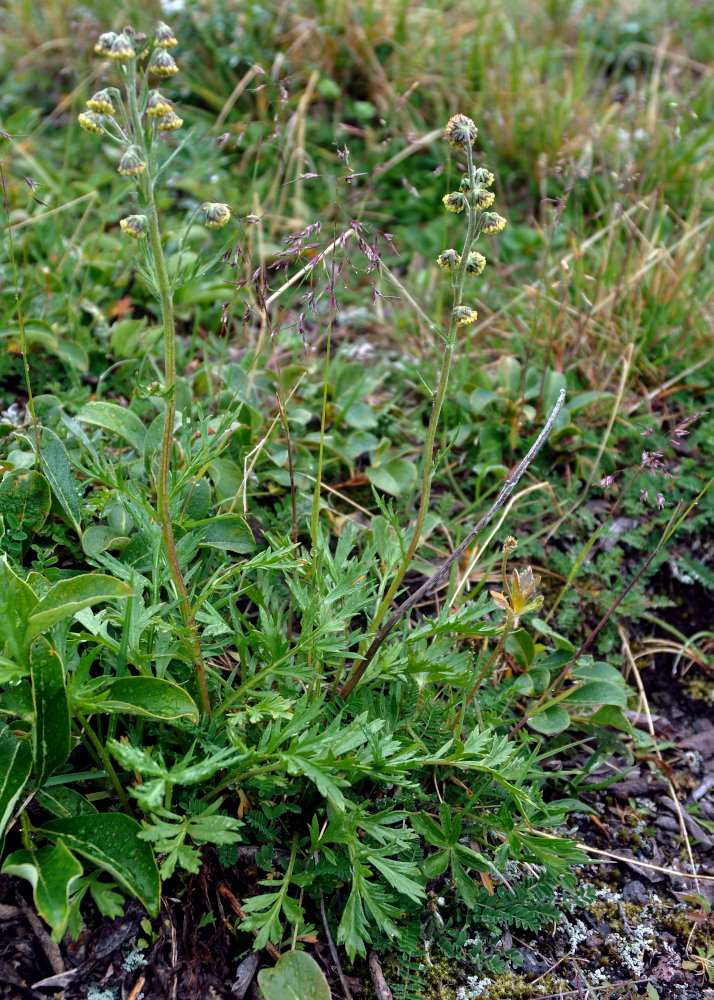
(68, 596)
(112, 417)
(51, 731)
(15, 767)
(296, 976)
(58, 471)
(51, 872)
(26, 494)
(550, 722)
(111, 841)
(151, 697)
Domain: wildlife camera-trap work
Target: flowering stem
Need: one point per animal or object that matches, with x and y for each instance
(428, 467)
(164, 477)
(163, 484)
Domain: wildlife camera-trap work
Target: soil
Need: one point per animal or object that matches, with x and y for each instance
(642, 932)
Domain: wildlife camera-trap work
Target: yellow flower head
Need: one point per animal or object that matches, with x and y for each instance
(492, 223)
(90, 121)
(476, 263)
(484, 199)
(101, 102)
(158, 106)
(104, 43)
(134, 226)
(448, 260)
(465, 315)
(121, 48)
(483, 176)
(217, 214)
(170, 123)
(131, 163)
(164, 37)
(460, 131)
(455, 202)
(162, 64)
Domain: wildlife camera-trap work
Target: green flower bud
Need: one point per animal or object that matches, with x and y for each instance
(121, 48)
(169, 123)
(164, 37)
(448, 260)
(484, 199)
(455, 202)
(460, 131)
(465, 315)
(104, 43)
(162, 64)
(475, 263)
(131, 163)
(217, 214)
(492, 222)
(101, 102)
(157, 106)
(90, 121)
(134, 226)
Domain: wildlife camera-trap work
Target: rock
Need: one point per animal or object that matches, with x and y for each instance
(635, 892)
(531, 965)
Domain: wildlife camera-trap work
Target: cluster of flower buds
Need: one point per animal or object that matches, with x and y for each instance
(473, 197)
(107, 114)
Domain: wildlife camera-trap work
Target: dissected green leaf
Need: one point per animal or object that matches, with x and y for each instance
(51, 731)
(111, 841)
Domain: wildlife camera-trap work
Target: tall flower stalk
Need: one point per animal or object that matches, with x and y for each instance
(473, 198)
(136, 118)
